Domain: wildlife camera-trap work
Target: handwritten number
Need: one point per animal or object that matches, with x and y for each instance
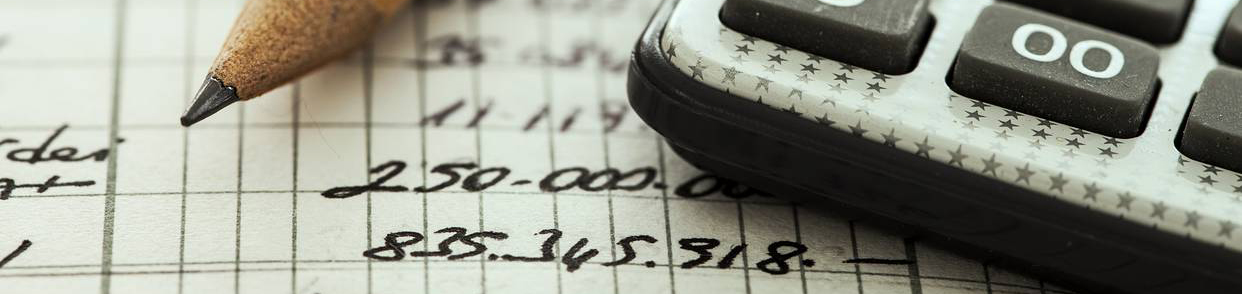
(700, 246)
(573, 260)
(780, 260)
(727, 260)
(627, 249)
(391, 243)
(395, 168)
(447, 169)
(554, 235)
(472, 183)
(470, 240)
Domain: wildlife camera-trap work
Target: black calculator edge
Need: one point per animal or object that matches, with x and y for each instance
(768, 153)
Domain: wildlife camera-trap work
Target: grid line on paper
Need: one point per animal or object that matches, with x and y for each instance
(420, 32)
(293, 218)
(668, 230)
(741, 231)
(368, 57)
(191, 18)
(597, 30)
(544, 30)
(109, 221)
(982, 283)
(793, 208)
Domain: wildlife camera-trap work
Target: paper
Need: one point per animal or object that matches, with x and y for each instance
(496, 129)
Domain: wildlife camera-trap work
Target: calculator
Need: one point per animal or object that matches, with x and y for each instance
(1095, 142)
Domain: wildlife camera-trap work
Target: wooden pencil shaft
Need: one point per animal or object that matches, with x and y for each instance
(275, 41)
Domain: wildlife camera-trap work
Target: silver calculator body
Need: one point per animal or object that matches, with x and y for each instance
(1107, 212)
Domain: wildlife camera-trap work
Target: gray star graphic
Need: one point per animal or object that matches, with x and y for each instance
(739, 59)
(1058, 182)
(857, 129)
(1237, 189)
(1107, 151)
(1044, 122)
(1112, 141)
(793, 109)
(979, 104)
(770, 68)
(730, 75)
(847, 67)
(875, 86)
(1024, 174)
(969, 125)
(1092, 190)
(763, 83)
(804, 78)
(672, 50)
(1013, 114)
(1124, 200)
(958, 156)
(748, 38)
(890, 140)
(836, 88)
(974, 114)
(879, 76)
(1157, 210)
(828, 100)
(1192, 220)
(842, 77)
(1078, 132)
(1182, 160)
(809, 67)
(1008, 124)
(924, 148)
(793, 92)
(815, 59)
(745, 49)
(777, 58)
(1003, 135)
(824, 120)
(1073, 142)
(782, 48)
(1210, 169)
(1207, 180)
(1041, 134)
(990, 165)
(697, 70)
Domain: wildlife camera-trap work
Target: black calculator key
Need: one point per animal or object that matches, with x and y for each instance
(1053, 67)
(1212, 132)
(1156, 21)
(1229, 47)
(879, 35)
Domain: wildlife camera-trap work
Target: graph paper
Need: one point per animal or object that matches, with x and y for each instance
(522, 100)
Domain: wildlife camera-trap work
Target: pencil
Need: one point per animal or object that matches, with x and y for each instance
(273, 42)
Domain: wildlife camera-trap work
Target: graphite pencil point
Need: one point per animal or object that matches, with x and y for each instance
(212, 96)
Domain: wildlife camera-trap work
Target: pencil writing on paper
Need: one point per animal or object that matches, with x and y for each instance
(46, 151)
(475, 178)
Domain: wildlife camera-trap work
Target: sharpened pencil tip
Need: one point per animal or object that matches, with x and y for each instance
(212, 96)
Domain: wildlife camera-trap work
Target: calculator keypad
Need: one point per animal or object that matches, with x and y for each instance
(1212, 131)
(1155, 21)
(880, 35)
(1056, 68)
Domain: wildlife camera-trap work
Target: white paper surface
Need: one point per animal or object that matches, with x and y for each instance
(235, 204)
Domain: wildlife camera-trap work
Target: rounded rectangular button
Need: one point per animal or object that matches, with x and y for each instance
(879, 35)
(1053, 67)
(1229, 46)
(1156, 21)
(1212, 132)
